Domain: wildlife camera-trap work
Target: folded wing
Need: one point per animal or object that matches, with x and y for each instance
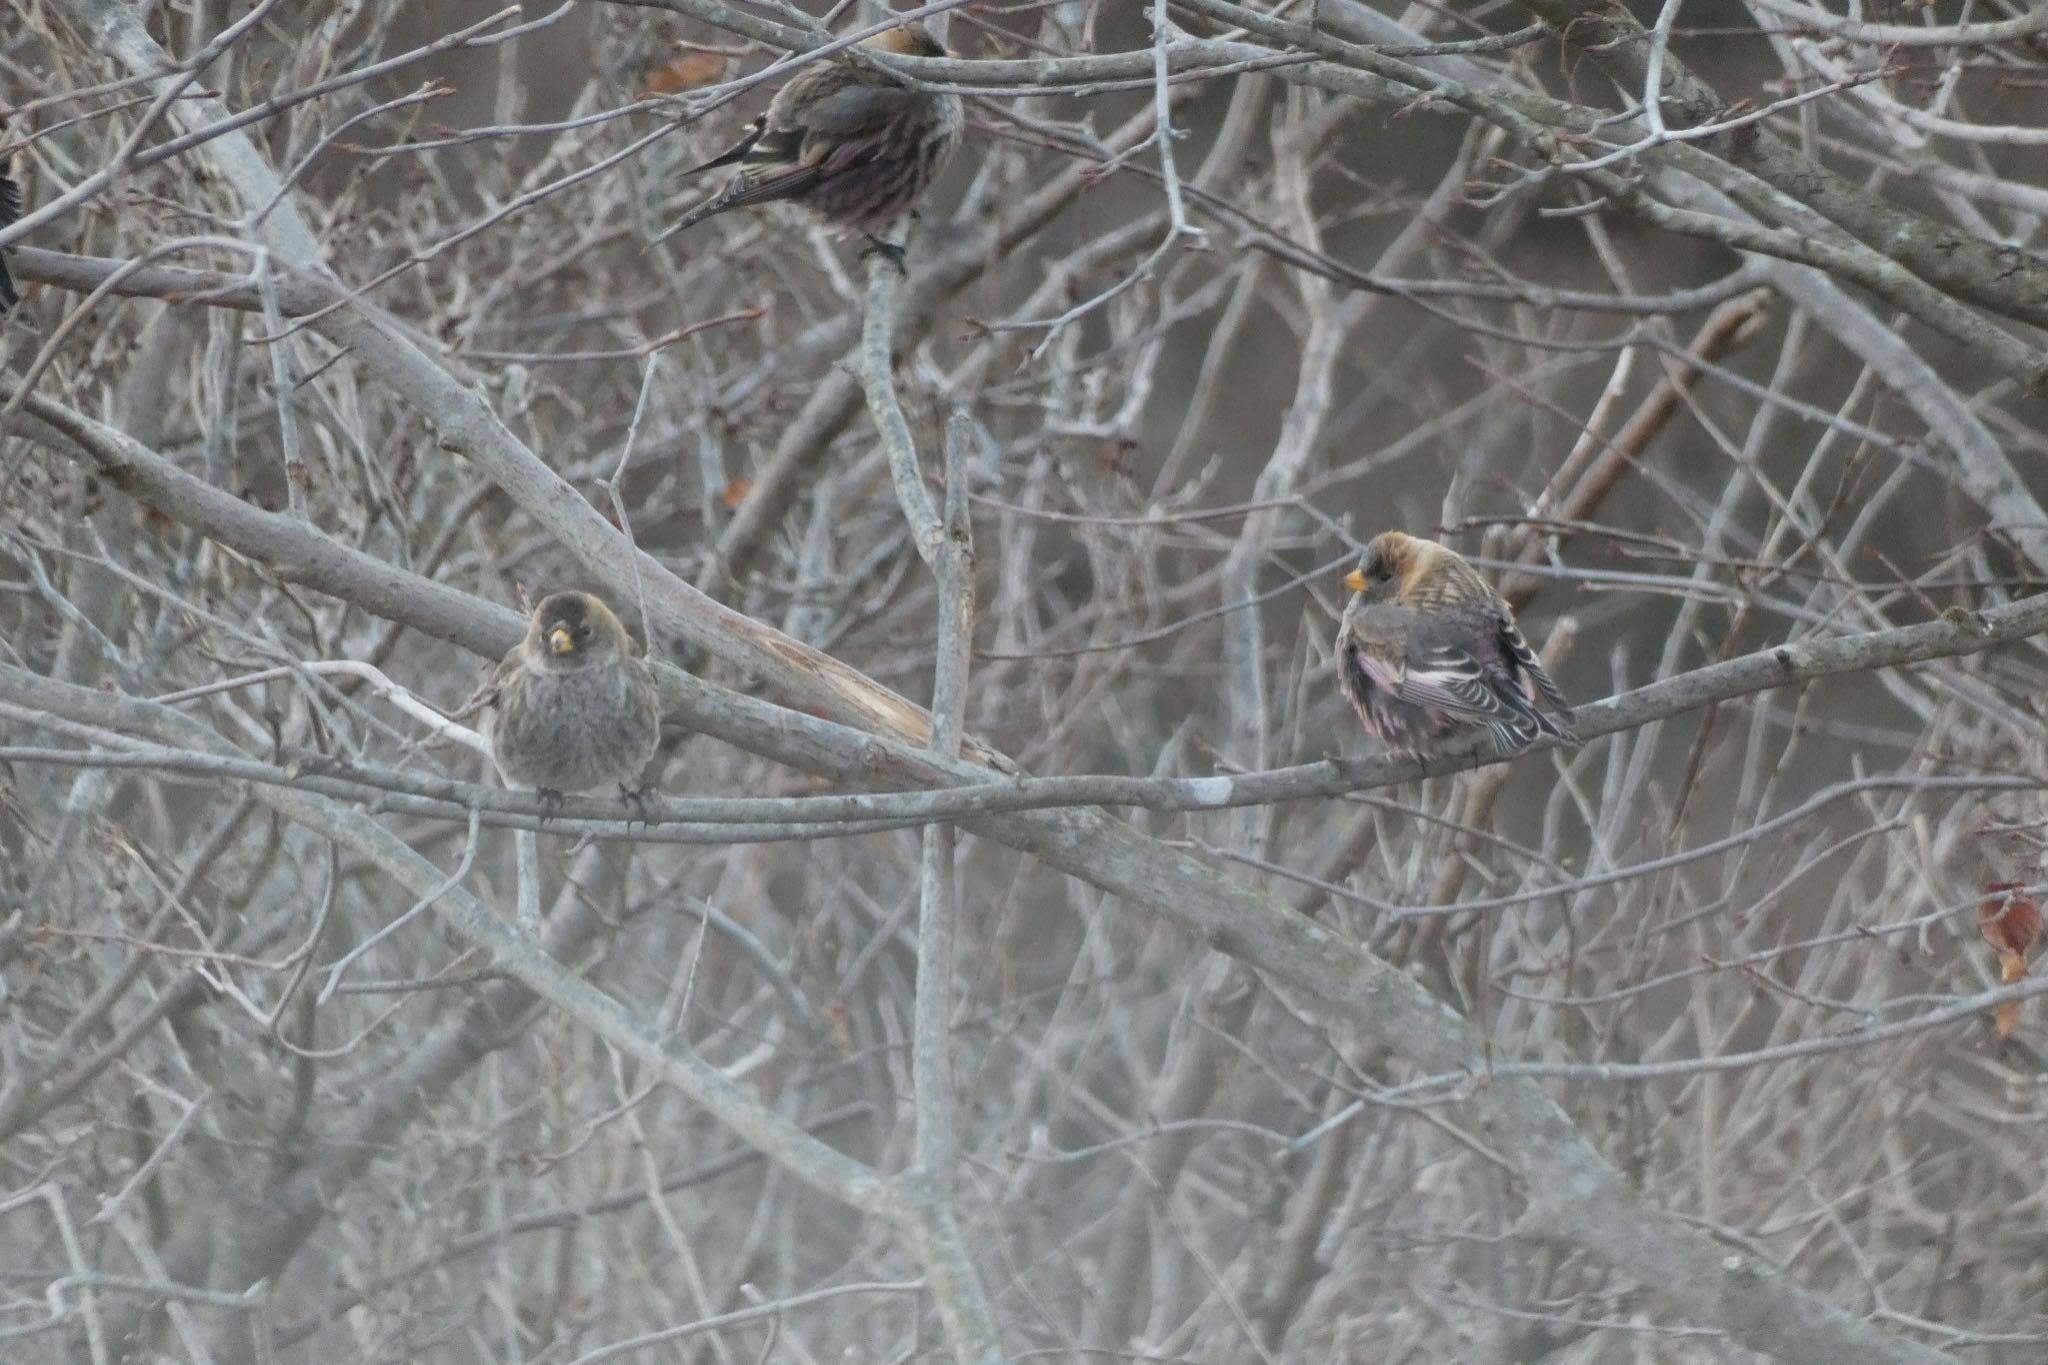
(1480, 672)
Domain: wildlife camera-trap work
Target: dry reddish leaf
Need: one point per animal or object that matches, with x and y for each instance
(736, 491)
(2011, 923)
(690, 70)
(2006, 1018)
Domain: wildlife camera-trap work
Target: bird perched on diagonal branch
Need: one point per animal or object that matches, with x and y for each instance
(855, 146)
(575, 706)
(1427, 649)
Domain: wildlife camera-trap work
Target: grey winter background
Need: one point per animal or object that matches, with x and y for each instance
(1696, 1086)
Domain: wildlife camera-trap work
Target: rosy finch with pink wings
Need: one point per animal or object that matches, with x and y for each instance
(855, 146)
(1428, 650)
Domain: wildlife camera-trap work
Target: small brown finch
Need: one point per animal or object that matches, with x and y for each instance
(575, 705)
(1427, 649)
(852, 145)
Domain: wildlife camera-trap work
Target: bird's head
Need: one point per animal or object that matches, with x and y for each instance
(911, 40)
(574, 627)
(1389, 563)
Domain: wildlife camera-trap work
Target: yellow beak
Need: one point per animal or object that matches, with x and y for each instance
(1355, 581)
(560, 641)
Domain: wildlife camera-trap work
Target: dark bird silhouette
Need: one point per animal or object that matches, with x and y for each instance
(10, 214)
(853, 146)
(1427, 649)
(575, 706)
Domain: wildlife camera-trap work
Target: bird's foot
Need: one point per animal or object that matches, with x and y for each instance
(550, 803)
(892, 252)
(635, 797)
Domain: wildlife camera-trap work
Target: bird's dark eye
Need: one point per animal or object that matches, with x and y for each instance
(1383, 573)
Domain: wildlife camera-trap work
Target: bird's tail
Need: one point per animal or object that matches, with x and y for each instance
(719, 203)
(1512, 734)
(737, 153)
(1562, 728)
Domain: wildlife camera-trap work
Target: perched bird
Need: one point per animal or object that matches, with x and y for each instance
(575, 706)
(1427, 649)
(10, 213)
(852, 145)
